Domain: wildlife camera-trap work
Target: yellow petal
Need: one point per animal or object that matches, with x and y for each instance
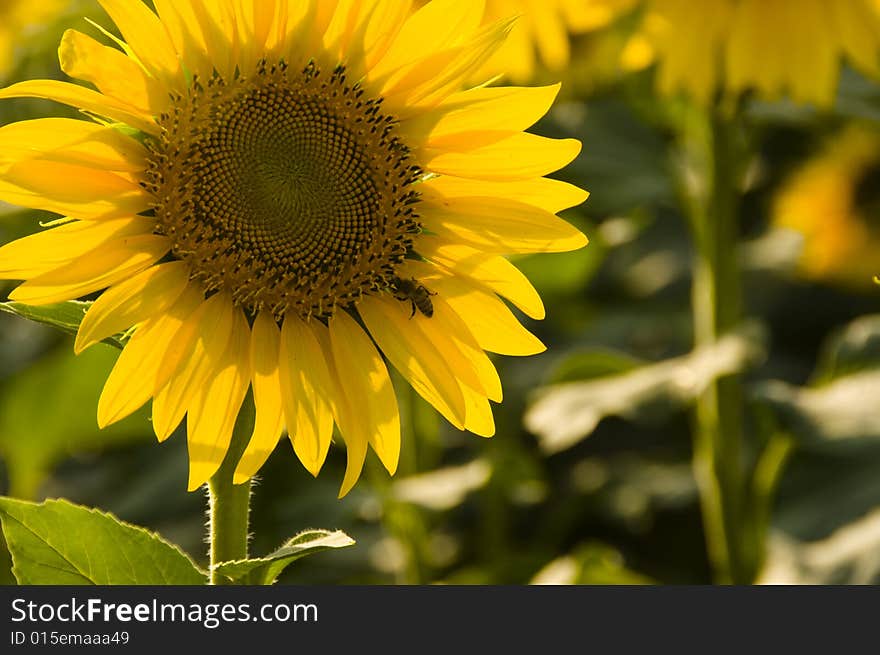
(186, 34)
(44, 251)
(214, 411)
(428, 82)
(496, 225)
(387, 18)
(304, 385)
(265, 350)
(83, 98)
(493, 272)
(369, 391)
(72, 190)
(518, 157)
(99, 269)
(550, 35)
(147, 38)
(351, 426)
(414, 355)
(115, 74)
(491, 323)
(217, 21)
(435, 26)
(73, 142)
(858, 24)
(480, 116)
(466, 344)
(479, 414)
(132, 381)
(446, 330)
(547, 194)
(132, 301)
(213, 324)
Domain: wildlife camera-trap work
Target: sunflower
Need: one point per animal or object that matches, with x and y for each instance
(774, 47)
(833, 204)
(19, 19)
(542, 33)
(281, 196)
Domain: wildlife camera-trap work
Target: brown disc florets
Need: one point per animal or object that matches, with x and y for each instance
(290, 190)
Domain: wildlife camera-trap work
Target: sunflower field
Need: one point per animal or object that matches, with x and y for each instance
(495, 292)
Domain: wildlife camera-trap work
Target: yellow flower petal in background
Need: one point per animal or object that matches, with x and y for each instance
(774, 47)
(820, 201)
(541, 36)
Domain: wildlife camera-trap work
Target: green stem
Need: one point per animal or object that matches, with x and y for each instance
(717, 308)
(229, 504)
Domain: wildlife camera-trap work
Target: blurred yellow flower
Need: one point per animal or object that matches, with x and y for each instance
(18, 20)
(833, 202)
(542, 33)
(285, 190)
(777, 48)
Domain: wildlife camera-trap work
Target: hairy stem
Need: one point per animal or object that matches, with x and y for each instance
(229, 504)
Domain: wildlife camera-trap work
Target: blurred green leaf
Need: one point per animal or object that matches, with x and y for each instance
(840, 406)
(593, 363)
(65, 316)
(565, 272)
(844, 409)
(32, 439)
(854, 348)
(265, 570)
(443, 488)
(57, 542)
(563, 414)
(624, 160)
(592, 563)
(850, 555)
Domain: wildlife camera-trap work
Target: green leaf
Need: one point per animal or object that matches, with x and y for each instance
(854, 348)
(593, 363)
(843, 412)
(566, 272)
(65, 316)
(564, 414)
(592, 563)
(265, 570)
(848, 556)
(33, 440)
(57, 542)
